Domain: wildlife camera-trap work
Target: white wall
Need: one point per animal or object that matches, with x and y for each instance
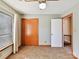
(75, 11)
(44, 26)
(4, 7)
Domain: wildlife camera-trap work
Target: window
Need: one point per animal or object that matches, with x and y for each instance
(5, 30)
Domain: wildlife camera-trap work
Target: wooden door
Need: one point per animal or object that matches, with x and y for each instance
(30, 31)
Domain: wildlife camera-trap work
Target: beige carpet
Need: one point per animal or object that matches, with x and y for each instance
(33, 52)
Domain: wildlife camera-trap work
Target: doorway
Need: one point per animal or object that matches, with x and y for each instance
(68, 33)
(30, 31)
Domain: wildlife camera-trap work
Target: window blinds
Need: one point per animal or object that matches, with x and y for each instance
(5, 30)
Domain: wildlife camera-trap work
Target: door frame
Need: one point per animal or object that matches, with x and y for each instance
(37, 27)
(69, 15)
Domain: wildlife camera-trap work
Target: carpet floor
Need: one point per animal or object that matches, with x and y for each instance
(34, 52)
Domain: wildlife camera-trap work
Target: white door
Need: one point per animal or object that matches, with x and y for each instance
(56, 32)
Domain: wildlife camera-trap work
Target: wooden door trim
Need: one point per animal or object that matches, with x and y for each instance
(69, 15)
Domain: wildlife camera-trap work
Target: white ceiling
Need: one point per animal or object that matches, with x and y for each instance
(53, 7)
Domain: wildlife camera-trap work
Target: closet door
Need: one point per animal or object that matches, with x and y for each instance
(56, 33)
(30, 31)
